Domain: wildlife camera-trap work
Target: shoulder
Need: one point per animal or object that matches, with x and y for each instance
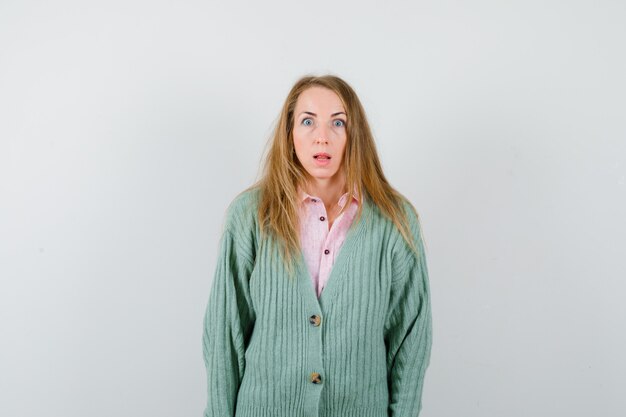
(389, 228)
(240, 219)
(241, 211)
(402, 254)
(240, 224)
(405, 256)
(413, 219)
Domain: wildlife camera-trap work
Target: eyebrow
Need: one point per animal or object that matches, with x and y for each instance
(332, 115)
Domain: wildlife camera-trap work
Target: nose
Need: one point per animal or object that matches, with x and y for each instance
(321, 139)
(322, 135)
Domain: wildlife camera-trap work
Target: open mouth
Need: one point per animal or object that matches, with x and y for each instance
(321, 159)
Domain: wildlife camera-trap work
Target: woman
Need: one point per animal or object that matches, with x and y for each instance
(320, 302)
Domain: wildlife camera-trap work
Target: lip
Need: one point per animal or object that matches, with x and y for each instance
(321, 162)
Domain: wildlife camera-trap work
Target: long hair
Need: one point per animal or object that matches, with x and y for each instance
(283, 173)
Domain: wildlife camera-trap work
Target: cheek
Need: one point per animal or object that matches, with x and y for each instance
(298, 146)
(344, 141)
(297, 142)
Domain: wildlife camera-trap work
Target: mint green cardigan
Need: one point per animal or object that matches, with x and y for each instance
(272, 348)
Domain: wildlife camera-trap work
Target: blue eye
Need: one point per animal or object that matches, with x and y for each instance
(339, 123)
(304, 121)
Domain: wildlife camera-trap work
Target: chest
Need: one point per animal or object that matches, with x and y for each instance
(359, 280)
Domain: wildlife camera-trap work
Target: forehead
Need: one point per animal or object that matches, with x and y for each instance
(319, 98)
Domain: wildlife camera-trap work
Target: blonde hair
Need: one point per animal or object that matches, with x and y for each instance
(282, 171)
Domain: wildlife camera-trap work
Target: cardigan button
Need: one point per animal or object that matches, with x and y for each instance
(315, 320)
(316, 378)
(322, 218)
(326, 251)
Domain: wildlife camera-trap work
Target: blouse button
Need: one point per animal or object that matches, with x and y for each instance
(315, 320)
(322, 218)
(316, 378)
(326, 251)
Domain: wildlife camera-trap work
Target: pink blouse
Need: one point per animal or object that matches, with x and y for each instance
(319, 244)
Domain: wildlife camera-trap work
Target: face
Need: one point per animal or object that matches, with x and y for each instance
(319, 132)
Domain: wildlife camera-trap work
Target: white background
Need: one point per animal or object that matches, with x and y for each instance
(126, 128)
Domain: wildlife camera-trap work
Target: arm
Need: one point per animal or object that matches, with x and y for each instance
(408, 331)
(228, 321)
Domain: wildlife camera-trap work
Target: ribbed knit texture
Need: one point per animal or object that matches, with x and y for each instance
(371, 349)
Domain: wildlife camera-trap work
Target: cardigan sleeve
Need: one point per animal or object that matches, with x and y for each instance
(228, 322)
(408, 330)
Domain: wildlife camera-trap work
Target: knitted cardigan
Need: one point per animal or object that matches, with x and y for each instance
(273, 349)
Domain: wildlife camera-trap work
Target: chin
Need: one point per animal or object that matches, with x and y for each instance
(322, 175)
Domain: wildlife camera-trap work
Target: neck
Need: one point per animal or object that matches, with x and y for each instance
(328, 189)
